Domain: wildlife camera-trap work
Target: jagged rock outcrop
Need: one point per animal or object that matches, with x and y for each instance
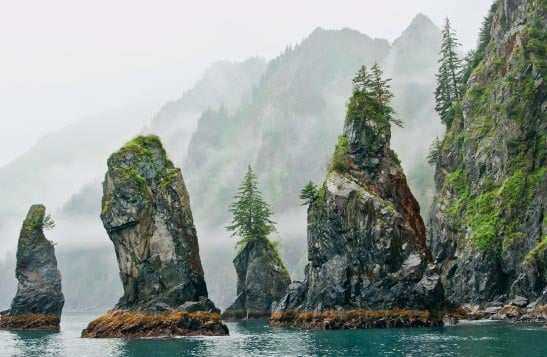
(39, 299)
(261, 279)
(146, 212)
(488, 226)
(367, 251)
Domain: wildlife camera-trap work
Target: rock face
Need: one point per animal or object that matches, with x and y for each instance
(261, 279)
(146, 212)
(488, 226)
(366, 242)
(39, 299)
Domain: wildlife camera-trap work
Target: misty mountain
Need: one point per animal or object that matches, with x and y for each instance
(282, 117)
(225, 83)
(412, 63)
(59, 164)
(288, 131)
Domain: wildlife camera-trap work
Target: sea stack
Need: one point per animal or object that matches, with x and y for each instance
(369, 265)
(39, 300)
(146, 213)
(261, 279)
(488, 225)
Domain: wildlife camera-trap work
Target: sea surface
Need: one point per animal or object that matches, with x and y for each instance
(256, 338)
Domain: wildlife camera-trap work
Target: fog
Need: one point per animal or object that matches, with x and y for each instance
(81, 79)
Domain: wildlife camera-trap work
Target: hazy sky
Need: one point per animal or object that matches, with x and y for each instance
(63, 59)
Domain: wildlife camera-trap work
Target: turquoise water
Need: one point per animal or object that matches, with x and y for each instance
(257, 339)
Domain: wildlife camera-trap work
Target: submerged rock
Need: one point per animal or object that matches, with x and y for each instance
(366, 242)
(39, 300)
(146, 213)
(261, 279)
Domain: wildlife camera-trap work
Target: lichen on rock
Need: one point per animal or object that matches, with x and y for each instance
(39, 300)
(146, 213)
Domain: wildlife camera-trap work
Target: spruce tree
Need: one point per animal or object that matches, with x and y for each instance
(371, 97)
(308, 193)
(251, 214)
(449, 76)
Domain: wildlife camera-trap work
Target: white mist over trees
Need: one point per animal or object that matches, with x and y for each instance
(282, 116)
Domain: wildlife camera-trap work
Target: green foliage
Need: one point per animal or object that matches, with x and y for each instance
(488, 213)
(136, 157)
(251, 214)
(513, 189)
(308, 193)
(449, 77)
(458, 180)
(340, 160)
(434, 152)
(41, 222)
(493, 208)
(536, 46)
(538, 251)
(321, 194)
(275, 249)
(371, 98)
(483, 217)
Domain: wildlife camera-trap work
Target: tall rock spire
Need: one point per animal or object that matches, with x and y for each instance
(146, 213)
(366, 240)
(39, 300)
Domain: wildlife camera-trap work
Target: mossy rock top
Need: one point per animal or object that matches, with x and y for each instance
(144, 161)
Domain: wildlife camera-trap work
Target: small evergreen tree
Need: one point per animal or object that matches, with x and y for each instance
(449, 77)
(45, 222)
(308, 193)
(434, 152)
(251, 214)
(48, 222)
(371, 97)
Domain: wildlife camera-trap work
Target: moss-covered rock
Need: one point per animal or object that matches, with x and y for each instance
(146, 213)
(487, 219)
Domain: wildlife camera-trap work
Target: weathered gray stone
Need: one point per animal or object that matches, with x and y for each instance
(519, 301)
(146, 212)
(366, 240)
(487, 222)
(39, 290)
(261, 280)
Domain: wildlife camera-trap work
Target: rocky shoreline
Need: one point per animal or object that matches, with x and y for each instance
(365, 319)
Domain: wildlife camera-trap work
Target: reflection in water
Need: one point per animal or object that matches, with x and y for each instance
(37, 343)
(257, 338)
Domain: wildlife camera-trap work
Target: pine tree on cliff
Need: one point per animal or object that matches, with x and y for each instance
(251, 214)
(449, 76)
(308, 193)
(371, 97)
